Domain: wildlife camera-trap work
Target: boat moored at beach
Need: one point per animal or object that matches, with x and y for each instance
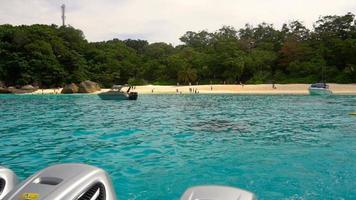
(116, 93)
(319, 89)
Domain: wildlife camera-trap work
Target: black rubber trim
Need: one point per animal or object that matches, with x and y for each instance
(92, 190)
(2, 185)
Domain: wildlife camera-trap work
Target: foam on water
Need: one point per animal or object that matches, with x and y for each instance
(279, 147)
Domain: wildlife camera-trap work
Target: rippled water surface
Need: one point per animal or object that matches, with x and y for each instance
(279, 147)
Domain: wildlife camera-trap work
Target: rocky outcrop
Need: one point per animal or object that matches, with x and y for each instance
(70, 89)
(23, 90)
(14, 90)
(28, 87)
(88, 87)
(4, 90)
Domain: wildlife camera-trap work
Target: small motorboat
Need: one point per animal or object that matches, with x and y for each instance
(77, 181)
(116, 93)
(319, 89)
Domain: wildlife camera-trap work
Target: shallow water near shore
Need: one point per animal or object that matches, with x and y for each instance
(279, 147)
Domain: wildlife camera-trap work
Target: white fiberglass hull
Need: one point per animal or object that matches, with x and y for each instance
(113, 95)
(319, 91)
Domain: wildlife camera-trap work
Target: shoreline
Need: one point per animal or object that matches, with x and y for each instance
(267, 89)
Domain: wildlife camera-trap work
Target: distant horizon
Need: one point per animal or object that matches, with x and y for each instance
(166, 21)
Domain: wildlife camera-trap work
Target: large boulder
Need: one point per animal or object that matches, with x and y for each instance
(7, 90)
(28, 87)
(70, 89)
(4, 91)
(88, 87)
(14, 90)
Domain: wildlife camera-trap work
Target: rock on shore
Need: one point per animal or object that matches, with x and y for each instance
(28, 87)
(70, 89)
(25, 89)
(88, 87)
(4, 91)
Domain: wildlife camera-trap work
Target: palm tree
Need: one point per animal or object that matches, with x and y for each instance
(187, 74)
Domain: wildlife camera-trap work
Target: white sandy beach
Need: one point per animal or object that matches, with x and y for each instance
(227, 89)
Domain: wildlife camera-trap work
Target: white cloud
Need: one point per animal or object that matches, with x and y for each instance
(166, 20)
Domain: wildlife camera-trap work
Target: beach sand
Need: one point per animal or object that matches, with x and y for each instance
(48, 91)
(227, 89)
(244, 89)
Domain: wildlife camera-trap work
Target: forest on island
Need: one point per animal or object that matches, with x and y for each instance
(51, 56)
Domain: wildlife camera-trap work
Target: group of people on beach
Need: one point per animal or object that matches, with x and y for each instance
(191, 90)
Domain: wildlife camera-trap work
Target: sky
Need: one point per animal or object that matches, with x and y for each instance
(166, 20)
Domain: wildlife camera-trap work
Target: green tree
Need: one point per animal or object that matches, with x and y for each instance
(187, 75)
(49, 55)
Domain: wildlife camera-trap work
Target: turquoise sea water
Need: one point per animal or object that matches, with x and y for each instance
(279, 147)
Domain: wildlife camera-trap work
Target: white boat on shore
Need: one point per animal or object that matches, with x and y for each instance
(116, 93)
(319, 89)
